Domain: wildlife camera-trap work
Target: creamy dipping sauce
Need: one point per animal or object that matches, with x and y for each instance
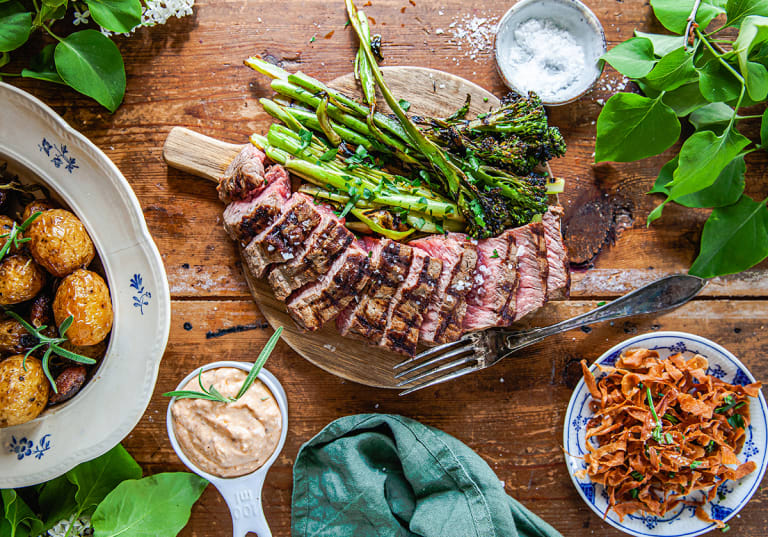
(232, 439)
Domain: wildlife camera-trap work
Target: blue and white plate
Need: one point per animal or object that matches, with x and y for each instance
(682, 521)
(40, 146)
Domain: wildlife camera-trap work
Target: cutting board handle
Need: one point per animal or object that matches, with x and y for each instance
(198, 154)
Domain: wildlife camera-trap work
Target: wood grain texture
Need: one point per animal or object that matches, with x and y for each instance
(190, 73)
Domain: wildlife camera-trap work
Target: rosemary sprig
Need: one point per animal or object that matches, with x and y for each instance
(12, 237)
(52, 344)
(212, 394)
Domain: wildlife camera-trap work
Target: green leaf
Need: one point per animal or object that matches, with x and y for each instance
(119, 16)
(49, 12)
(42, 66)
(726, 189)
(738, 10)
(156, 506)
(764, 130)
(734, 239)
(57, 501)
(685, 99)
(19, 515)
(97, 478)
(633, 58)
(15, 26)
(672, 71)
(703, 157)
(405, 105)
(717, 83)
(714, 117)
(663, 44)
(757, 81)
(754, 31)
(633, 127)
(673, 14)
(91, 63)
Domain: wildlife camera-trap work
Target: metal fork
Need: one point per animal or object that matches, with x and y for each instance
(479, 350)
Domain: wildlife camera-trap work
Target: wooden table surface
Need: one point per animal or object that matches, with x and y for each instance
(190, 73)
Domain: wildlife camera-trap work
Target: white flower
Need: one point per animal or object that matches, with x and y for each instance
(156, 12)
(81, 18)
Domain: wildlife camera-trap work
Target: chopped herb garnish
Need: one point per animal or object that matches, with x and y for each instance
(485, 99)
(306, 139)
(710, 446)
(312, 39)
(633, 493)
(736, 421)
(671, 474)
(329, 155)
(405, 105)
(730, 403)
(725, 528)
(670, 418)
(495, 254)
(656, 435)
(601, 303)
(668, 438)
(637, 476)
(695, 464)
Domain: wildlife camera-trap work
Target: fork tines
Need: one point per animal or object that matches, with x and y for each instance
(443, 360)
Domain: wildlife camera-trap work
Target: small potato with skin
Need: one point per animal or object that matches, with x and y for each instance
(37, 206)
(14, 338)
(20, 279)
(68, 383)
(23, 392)
(6, 225)
(85, 296)
(60, 243)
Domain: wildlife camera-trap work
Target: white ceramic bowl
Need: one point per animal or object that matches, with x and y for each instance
(40, 146)
(682, 521)
(571, 15)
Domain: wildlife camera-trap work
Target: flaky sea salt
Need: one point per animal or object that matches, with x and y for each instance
(473, 34)
(545, 58)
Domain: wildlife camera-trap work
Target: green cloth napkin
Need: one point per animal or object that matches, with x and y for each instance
(378, 475)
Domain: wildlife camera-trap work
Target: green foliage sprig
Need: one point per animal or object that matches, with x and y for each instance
(111, 490)
(86, 60)
(14, 237)
(708, 80)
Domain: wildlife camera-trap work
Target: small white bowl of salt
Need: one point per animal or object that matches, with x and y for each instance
(551, 47)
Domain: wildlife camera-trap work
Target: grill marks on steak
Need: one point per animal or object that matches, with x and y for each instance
(494, 282)
(558, 277)
(244, 219)
(367, 318)
(244, 177)
(444, 318)
(412, 299)
(326, 243)
(284, 239)
(322, 301)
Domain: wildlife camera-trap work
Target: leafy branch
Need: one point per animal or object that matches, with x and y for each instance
(212, 394)
(13, 237)
(52, 345)
(698, 76)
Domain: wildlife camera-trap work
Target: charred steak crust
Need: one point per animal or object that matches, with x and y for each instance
(325, 244)
(245, 219)
(531, 293)
(559, 277)
(451, 323)
(510, 283)
(244, 177)
(368, 318)
(411, 301)
(281, 241)
(537, 228)
(319, 303)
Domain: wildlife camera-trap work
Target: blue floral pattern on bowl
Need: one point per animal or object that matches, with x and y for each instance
(24, 447)
(730, 498)
(60, 155)
(142, 298)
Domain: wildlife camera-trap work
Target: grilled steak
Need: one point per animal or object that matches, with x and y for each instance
(244, 177)
(325, 244)
(412, 299)
(494, 283)
(245, 219)
(284, 239)
(367, 318)
(322, 301)
(445, 316)
(558, 277)
(532, 289)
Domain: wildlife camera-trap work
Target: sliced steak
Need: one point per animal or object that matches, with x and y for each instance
(494, 283)
(326, 243)
(531, 265)
(322, 301)
(245, 219)
(411, 301)
(558, 277)
(367, 318)
(244, 177)
(285, 238)
(444, 318)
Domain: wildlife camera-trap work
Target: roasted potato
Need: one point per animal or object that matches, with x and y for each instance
(41, 310)
(20, 279)
(60, 243)
(14, 338)
(84, 295)
(37, 206)
(68, 383)
(6, 225)
(23, 392)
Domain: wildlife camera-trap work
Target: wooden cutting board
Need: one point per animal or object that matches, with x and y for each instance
(430, 92)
